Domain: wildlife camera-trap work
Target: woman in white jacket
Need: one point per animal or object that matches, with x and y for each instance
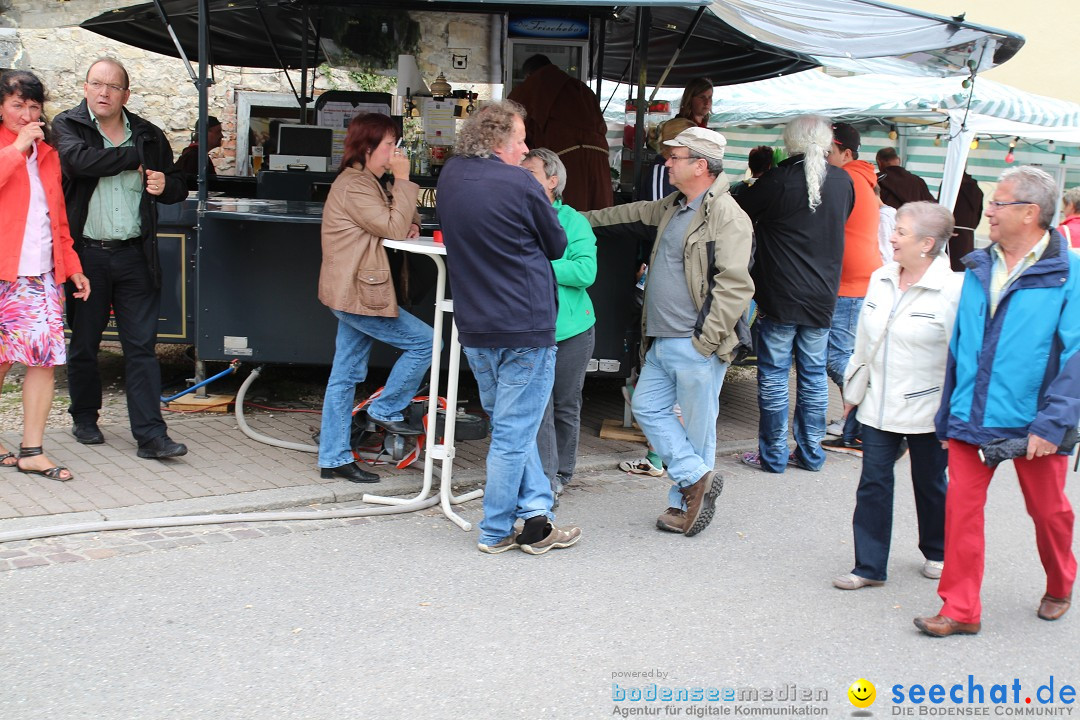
(903, 340)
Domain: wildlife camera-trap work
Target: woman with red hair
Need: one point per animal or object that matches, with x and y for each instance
(371, 199)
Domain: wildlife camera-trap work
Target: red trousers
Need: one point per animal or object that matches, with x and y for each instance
(1042, 480)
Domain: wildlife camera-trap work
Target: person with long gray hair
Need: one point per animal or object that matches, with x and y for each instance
(902, 342)
(1013, 373)
(575, 331)
(799, 209)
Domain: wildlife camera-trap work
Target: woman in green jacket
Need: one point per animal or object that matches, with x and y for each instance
(575, 271)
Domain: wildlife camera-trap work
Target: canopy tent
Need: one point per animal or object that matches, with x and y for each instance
(987, 108)
(735, 40)
(800, 33)
(886, 96)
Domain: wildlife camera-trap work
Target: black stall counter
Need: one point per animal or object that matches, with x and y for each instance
(257, 293)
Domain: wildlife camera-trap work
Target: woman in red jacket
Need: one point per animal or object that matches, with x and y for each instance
(36, 256)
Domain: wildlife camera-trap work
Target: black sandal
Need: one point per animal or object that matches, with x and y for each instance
(6, 456)
(53, 473)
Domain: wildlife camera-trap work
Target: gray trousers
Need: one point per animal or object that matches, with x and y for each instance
(557, 438)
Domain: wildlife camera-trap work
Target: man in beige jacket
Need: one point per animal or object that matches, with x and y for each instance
(698, 287)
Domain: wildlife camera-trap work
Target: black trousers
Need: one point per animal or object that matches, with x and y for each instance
(119, 280)
(873, 518)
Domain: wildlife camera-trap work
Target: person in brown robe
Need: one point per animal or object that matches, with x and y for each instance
(898, 186)
(564, 116)
(968, 213)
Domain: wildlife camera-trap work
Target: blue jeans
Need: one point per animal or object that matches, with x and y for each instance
(873, 518)
(776, 344)
(845, 321)
(674, 372)
(515, 385)
(352, 349)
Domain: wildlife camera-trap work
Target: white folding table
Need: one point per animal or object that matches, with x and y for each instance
(444, 451)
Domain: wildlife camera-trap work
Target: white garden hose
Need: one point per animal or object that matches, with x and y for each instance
(259, 437)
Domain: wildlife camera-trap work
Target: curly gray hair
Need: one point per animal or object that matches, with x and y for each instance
(489, 127)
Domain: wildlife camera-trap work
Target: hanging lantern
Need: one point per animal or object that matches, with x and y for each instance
(440, 88)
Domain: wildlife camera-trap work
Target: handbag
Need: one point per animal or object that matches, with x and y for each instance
(857, 377)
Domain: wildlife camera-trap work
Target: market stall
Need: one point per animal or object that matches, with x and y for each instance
(256, 265)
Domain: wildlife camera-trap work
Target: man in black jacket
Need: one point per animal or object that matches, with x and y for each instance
(799, 209)
(117, 167)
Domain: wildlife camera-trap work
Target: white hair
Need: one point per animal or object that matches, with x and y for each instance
(810, 135)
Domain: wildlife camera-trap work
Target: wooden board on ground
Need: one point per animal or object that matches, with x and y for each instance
(612, 429)
(210, 403)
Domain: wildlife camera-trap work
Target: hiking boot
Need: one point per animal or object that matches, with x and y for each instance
(840, 445)
(672, 520)
(555, 539)
(700, 499)
(641, 467)
(507, 543)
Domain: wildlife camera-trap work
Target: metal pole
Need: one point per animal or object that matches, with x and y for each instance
(600, 48)
(303, 65)
(204, 101)
(643, 21)
(678, 51)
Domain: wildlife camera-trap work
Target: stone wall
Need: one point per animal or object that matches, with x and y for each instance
(42, 36)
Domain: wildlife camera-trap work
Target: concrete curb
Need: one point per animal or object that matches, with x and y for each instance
(307, 495)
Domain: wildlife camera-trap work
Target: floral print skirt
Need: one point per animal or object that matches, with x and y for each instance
(32, 321)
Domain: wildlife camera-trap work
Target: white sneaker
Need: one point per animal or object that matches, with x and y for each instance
(932, 569)
(641, 467)
(851, 581)
(835, 428)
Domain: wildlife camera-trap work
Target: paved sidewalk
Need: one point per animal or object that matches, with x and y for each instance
(226, 471)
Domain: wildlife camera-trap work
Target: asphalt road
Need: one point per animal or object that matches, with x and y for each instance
(404, 618)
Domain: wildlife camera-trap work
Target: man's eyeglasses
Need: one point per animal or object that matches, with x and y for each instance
(1001, 204)
(96, 86)
(683, 157)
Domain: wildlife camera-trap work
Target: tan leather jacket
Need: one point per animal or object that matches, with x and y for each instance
(716, 260)
(355, 273)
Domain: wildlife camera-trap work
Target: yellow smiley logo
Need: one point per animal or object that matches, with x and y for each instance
(862, 693)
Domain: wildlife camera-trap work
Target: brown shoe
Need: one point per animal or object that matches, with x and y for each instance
(673, 520)
(941, 626)
(1051, 608)
(700, 499)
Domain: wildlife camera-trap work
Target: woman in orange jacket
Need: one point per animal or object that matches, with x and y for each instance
(36, 256)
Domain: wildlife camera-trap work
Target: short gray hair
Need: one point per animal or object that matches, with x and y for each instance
(1034, 186)
(713, 165)
(553, 167)
(488, 128)
(929, 220)
(1071, 197)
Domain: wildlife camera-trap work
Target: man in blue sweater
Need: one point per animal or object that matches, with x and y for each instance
(1013, 373)
(501, 234)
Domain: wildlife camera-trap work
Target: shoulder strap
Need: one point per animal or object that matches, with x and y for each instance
(895, 313)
